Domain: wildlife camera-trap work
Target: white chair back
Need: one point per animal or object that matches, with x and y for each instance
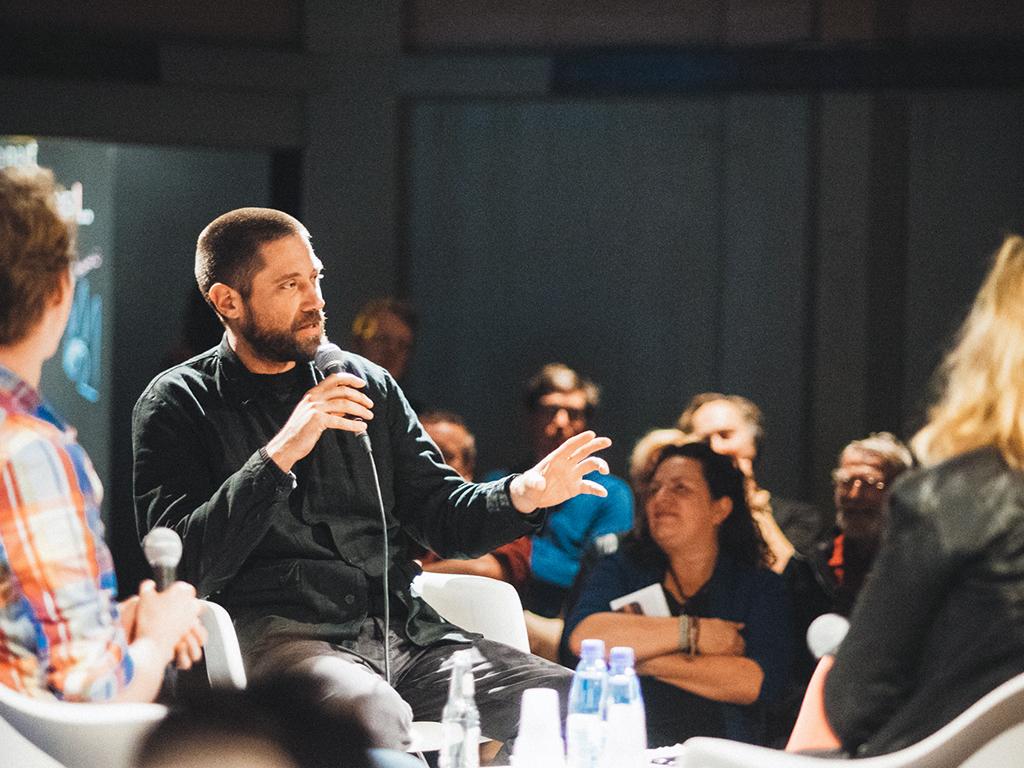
(20, 752)
(478, 604)
(990, 729)
(79, 735)
(224, 665)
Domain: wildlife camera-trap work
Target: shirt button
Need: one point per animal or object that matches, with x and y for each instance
(349, 599)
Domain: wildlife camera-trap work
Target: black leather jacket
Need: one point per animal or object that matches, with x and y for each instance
(940, 621)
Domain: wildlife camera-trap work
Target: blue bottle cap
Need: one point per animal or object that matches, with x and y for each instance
(592, 649)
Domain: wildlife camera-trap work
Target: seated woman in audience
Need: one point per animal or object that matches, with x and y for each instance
(718, 646)
(940, 623)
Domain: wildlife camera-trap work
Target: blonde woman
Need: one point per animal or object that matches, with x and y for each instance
(941, 621)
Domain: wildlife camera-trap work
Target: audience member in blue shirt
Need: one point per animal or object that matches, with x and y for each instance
(559, 402)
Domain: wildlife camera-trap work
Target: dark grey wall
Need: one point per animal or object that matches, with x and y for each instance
(651, 244)
(813, 252)
(85, 397)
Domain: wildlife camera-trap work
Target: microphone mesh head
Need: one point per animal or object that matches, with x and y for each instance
(826, 633)
(329, 357)
(162, 547)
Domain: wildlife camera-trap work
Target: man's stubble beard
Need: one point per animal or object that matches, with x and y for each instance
(282, 346)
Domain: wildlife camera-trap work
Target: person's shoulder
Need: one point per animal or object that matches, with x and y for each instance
(26, 440)
(184, 381)
(376, 376)
(975, 477)
(200, 368)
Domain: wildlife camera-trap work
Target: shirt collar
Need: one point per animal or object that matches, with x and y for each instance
(26, 398)
(234, 370)
(24, 395)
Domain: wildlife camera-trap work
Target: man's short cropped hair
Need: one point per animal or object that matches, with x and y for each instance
(228, 249)
(36, 248)
(559, 377)
(895, 456)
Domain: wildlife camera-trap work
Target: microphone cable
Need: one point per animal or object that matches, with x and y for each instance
(330, 359)
(364, 438)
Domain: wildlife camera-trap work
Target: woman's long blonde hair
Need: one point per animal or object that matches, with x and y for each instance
(982, 377)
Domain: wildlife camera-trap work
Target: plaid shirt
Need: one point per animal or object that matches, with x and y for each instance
(60, 634)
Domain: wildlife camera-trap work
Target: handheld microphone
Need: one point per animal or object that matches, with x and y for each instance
(826, 633)
(162, 548)
(330, 358)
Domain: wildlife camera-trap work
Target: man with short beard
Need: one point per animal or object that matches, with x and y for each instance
(253, 456)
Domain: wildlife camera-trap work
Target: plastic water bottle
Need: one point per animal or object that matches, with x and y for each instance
(460, 720)
(584, 729)
(625, 720)
(539, 741)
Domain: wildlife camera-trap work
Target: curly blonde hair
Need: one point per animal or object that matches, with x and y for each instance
(982, 377)
(36, 248)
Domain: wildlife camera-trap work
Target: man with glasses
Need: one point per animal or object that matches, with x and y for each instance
(559, 403)
(863, 479)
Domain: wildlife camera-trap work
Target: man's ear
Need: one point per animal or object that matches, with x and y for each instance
(226, 300)
(64, 287)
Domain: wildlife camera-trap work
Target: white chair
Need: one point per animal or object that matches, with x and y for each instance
(477, 604)
(989, 733)
(224, 666)
(20, 752)
(78, 735)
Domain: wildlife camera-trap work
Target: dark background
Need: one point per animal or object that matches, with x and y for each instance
(791, 200)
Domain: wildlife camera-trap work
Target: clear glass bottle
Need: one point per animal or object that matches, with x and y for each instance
(460, 720)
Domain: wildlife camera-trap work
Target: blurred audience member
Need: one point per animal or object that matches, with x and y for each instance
(940, 623)
(830, 578)
(61, 632)
(707, 618)
(863, 479)
(559, 403)
(457, 444)
(642, 461)
(509, 562)
(384, 332)
(283, 722)
(735, 427)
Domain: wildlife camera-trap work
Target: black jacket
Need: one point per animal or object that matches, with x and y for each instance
(940, 620)
(300, 553)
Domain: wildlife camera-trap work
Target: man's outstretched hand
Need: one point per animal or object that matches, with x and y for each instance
(559, 475)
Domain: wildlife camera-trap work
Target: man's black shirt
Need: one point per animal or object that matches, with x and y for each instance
(300, 553)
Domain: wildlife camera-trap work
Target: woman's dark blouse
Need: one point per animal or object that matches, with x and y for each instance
(755, 596)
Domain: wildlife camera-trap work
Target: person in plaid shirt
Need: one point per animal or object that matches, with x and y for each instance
(61, 632)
